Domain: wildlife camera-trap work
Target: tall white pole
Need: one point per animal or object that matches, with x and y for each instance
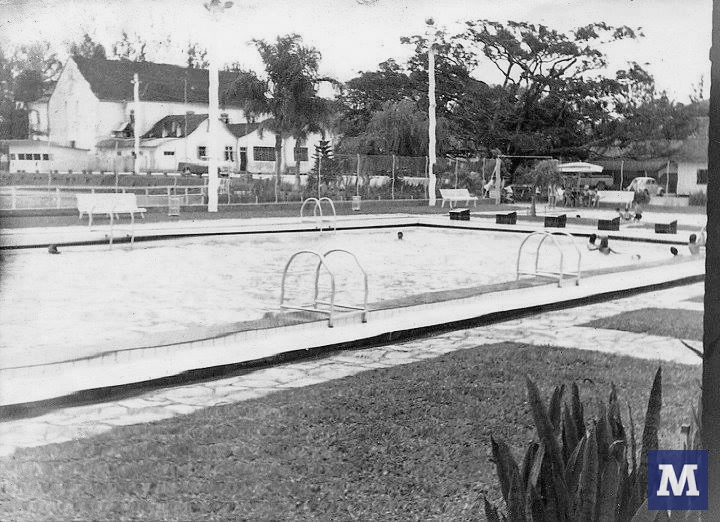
(137, 128)
(431, 115)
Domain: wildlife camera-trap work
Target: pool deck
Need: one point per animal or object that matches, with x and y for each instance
(40, 378)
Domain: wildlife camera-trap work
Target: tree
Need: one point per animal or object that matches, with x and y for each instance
(130, 49)
(87, 48)
(288, 95)
(197, 56)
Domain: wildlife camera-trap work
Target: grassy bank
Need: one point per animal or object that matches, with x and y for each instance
(408, 442)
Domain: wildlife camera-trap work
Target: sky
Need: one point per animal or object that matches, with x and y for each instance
(354, 36)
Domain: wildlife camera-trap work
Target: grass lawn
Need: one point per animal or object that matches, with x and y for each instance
(408, 442)
(681, 324)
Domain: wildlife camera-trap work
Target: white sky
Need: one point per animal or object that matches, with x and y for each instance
(354, 37)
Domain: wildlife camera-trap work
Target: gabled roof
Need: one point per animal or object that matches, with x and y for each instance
(176, 126)
(242, 129)
(111, 80)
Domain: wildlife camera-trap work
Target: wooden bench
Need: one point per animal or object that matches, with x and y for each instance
(454, 195)
(509, 218)
(616, 197)
(110, 203)
(666, 228)
(609, 224)
(556, 221)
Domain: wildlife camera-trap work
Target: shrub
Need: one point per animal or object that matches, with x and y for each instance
(698, 199)
(578, 470)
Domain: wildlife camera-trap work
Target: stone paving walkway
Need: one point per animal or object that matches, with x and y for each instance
(558, 328)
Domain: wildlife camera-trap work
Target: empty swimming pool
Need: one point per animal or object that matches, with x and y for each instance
(93, 295)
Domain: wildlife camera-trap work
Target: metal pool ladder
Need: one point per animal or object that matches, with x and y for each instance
(317, 305)
(550, 273)
(318, 212)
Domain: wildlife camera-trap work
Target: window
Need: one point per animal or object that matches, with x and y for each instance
(36, 156)
(168, 153)
(264, 153)
(12, 156)
(21, 156)
(202, 152)
(46, 157)
(702, 176)
(229, 154)
(301, 154)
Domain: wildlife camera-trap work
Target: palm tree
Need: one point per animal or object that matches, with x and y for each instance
(288, 95)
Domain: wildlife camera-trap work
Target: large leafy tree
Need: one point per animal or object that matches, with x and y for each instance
(87, 48)
(129, 48)
(288, 94)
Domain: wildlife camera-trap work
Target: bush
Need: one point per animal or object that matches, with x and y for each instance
(698, 199)
(579, 470)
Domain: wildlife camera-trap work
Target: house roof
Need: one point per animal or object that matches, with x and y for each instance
(176, 126)
(111, 80)
(242, 129)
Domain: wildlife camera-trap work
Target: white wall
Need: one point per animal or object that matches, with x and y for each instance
(73, 109)
(687, 178)
(268, 140)
(59, 158)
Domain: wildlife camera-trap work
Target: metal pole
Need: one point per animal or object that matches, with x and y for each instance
(431, 114)
(357, 176)
(136, 124)
(622, 165)
(456, 171)
(667, 178)
(392, 186)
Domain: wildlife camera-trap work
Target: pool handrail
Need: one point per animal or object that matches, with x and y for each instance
(561, 273)
(364, 307)
(317, 208)
(321, 262)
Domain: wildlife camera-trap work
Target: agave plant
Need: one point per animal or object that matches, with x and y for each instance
(578, 470)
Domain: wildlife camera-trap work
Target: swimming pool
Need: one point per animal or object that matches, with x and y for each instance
(93, 295)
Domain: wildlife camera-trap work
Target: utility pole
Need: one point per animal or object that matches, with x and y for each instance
(431, 113)
(216, 9)
(136, 123)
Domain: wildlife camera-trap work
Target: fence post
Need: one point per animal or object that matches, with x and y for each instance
(357, 176)
(456, 170)
(186, 196)
(427, 173)
(13, 194)
(57, 197)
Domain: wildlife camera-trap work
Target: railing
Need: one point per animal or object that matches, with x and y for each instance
(318, 212)
(315, 305)
(561, 272)
(35, 197)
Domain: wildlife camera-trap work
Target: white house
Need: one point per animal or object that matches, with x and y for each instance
(692, 160)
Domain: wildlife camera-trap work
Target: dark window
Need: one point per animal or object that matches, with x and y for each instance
(37, 156)
(169, 153)
(264, 153)
(21, 156)
(119, 153)
(702, 176)
(46, 157)
(301, 154)
(202, 151)
(229, 154)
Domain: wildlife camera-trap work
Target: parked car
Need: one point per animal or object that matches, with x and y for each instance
(648, 186)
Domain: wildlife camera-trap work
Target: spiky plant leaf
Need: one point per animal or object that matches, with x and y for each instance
(534, 507)
(643, 514)
(650, 431)
(574, 467)
(610, 479)
(604, 437)
(491, 512)
(555, 405)
(633, 441)
(547, 437)
(577, 410)
(614, 416)
(536, 468)
(587, 493)
(570, 436)
(516, 498)
(528, 461)
(506, 466)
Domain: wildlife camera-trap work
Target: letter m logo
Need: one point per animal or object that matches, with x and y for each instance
(677, 480)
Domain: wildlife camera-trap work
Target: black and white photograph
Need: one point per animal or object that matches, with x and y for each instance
(360, 260)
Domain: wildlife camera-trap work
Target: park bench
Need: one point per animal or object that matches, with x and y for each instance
(110, 203)
(616, 197)
(454, 195)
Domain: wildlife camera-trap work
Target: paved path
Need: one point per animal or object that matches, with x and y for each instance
(560, 328)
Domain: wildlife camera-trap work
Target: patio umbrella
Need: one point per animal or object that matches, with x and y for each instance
(579, 167)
